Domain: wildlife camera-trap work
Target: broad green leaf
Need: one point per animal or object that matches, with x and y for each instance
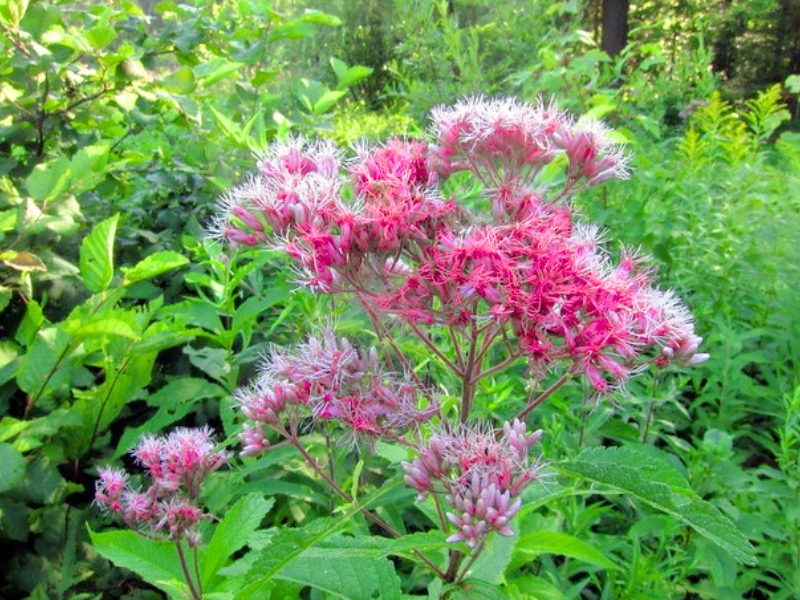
(154, 561)
(339, 67)
(97, 255)
(102, 327)
(228, 126)
(553, 542)
(793, 84)
(341, 575)
(211, 71)
(100, 37)
(254, 306)
(153, 265)
(44, 484)
(347, 76)
(48, 180)
(10, 361)
(211, 361)
(89, 166)
(12, 467)
(289, 544)
(181, 81)
(100, 406)
(374, 546)
(531, 587)
(494, 560)
(622, 470)
(174, 401)
(43, 368)
(320, 18)
(474, 589)
(326, 101)
(232, 532)
(31, 323)
(12, 11)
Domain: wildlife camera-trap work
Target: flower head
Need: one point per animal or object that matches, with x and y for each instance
(481, 471)
(176, 465)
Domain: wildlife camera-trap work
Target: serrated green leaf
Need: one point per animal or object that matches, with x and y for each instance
(153, 265)
(621, 469)
(97, 255)
(289, 544)
(42, 368)
(154, 561)
(232, 532)
(12, 467)
(343, 576)
(553, 542)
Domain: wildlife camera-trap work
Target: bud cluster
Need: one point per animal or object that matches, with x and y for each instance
(481, 472)
(329, 379)
(176, 464)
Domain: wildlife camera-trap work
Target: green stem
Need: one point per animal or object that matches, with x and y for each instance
(471, 560)
(543, 396)
(185, 568)
(347, 498)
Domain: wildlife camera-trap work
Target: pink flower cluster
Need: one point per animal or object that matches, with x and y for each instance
(329, 379)
(529, 269)
(176, 464)
(481, 473)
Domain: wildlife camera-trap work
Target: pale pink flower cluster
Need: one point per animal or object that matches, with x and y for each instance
(530, 268)
(480, 472)
(329, 379)
(176, 464)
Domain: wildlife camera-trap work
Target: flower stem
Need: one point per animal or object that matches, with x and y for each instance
(368, 514)
(185, 568)
(543, 396)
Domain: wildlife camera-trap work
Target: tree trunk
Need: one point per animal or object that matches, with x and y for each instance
(615, 26)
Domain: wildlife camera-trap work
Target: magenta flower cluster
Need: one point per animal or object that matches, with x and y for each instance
(330, 379)
(176, 465)
(527, 268)
(513, 270)
(481, 473)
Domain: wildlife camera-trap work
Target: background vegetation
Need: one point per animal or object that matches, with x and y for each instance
(121, 124)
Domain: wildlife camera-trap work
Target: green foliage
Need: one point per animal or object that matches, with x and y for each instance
(118, 129)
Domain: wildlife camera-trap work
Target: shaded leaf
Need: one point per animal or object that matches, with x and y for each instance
(12, 467)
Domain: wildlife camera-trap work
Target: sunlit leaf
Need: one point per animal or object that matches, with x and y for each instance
(97, 255)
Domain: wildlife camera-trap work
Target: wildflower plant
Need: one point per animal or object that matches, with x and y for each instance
(523, 280)
(169, 508)
(512, 279)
